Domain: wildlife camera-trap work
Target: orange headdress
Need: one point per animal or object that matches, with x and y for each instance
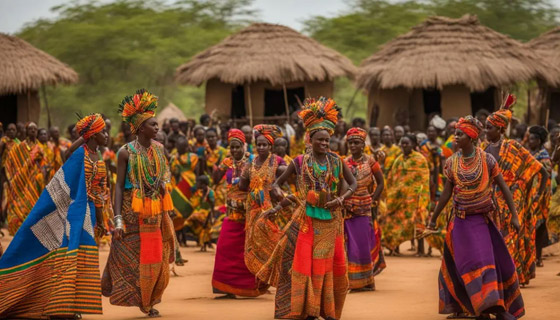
(138, 108)
(356, 133)
(502, 117)
(470, 126)
(319, 114)
(269, 131)
(89, 125)
(236, 134)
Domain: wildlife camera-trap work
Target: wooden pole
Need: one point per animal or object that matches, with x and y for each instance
(352, 102)
(27, 106)
(369, 112)
(46, 106)
(250, 104)
(286, 103)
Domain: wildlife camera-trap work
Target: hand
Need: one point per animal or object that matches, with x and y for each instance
(516, 225)
(431, 225)
(118, 234)
(270, 213)
(333, 203)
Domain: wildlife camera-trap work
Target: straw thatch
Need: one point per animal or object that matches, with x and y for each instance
(443, 51)
(169, 112)
(547, 45)
(24, 67)
(265, 52)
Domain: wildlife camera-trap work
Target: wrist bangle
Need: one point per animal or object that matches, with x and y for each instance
(351, 190)
(118, 222)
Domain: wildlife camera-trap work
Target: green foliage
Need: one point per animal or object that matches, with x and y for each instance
(119, 47)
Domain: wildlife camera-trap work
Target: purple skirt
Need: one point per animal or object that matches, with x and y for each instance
(477, 272)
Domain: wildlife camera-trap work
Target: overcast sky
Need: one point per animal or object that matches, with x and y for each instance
(15, 13)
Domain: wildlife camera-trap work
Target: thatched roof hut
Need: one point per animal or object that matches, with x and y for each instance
(547, 96)
(447, 66)
(256, 69)
(24, 70)
(170, 112)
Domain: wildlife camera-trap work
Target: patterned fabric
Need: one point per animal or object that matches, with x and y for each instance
(433, 153)
(518, 168)
(199, 221)
(391, 155)
(408, 195)
(542, 207)
(360, 203)
(308, 265)
(8, 145)
(25, 181)
(470, 126)
(477, 272)
(51, 267)
(235, 199)
(447, 147)
(297, 147)
(90, 125)
(57, 150)
(184, 177)
(269, 131)
(138, 108)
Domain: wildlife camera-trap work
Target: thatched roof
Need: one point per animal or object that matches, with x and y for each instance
(547, 45)
(265, 52)
(443, 51)
(24, 67)
(169, 112)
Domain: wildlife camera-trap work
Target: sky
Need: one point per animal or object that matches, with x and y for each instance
(14, 14)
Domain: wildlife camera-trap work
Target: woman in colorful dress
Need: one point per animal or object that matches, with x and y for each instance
(231, 276)
(477, 274)
(308, 265)
(137, 269)
(51, 268)
(518, 168)
(363, 235)
(7, 142)
(408, 196)
(391, 150)
(25, 178)
(257, 178)
(537, 138)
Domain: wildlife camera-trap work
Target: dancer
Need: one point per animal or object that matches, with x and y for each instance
(231, 276)
(363, 235)
(51, 268)
(201, 214)
(518, 168)
(25, 178)
(7, 142)
(137, 269)
(540, 208)
(477, 274)
(308, 265)
(408, 196)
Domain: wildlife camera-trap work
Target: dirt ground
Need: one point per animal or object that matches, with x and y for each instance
(407, 289)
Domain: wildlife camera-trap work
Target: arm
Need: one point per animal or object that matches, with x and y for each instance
(380, 185)
(499, 180)
(218, 175)
(74, 146)
(352, 185)
(544, 178)
(122, 163)
(443, 199)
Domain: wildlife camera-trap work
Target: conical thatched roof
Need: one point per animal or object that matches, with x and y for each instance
(24, 67)
(547, 45)
(169, 112)
(443, 51)
(265, 52)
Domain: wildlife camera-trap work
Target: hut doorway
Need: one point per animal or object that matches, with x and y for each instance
(554, 105)
(8, 105)
(238, 103)
(483, 100)
(432, 101)
(274, 101)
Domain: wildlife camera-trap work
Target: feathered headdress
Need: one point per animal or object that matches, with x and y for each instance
(138, 108)
(502, 117)
(319, 114)
(89, 125)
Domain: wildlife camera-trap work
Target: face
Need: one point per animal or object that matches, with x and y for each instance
(200, 135)
(451, 127)
(320, 142)
(406, 145)
(431, 132)
(492, 133)
(201, 184)
(43, 136)
(236, 149)
(461, 139)
(175, 126)
(553, 136)
(32, 131)
(11, 131)
(166, 127)
(340, 127)
(125, 128)
(280, 146)
(374, 135)
(55, 133)
(248, 132)
(263, 146)
(101, 138)
(399, 133)
(149, 128)
(108, 126)
(356, 146)
(387, 137)
(534, 141)
(212, 138)
(182, 146)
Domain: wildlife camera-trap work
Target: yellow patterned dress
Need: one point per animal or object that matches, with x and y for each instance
(391, 154)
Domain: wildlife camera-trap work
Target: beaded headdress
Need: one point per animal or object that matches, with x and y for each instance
(356, 133)
(138, 108)
(269, 131)
(502, 117)
(319, 114)
(87, 126)
(470, 125)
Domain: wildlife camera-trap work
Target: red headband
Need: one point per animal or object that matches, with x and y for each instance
(470, 126)
(356, 133)
(236, 134)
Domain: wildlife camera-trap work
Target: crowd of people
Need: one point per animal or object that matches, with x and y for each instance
(310, 207)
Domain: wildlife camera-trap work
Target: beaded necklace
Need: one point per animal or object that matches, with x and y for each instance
(317, 184)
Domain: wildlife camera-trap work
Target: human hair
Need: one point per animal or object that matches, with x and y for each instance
(412, 138)
(212, 129)
(203, 179)
(540, 132)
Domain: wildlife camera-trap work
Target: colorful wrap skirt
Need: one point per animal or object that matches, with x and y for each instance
(477, 273)
(137, 270)
(363, 248)
(230, 272)
(308, 268)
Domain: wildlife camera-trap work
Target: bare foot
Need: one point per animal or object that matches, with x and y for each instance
(153, 313)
